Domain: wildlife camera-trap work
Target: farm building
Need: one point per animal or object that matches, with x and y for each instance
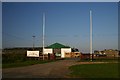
(58, 49)
(72, 55)
(111, 53)
(107, 53)
(62, 51)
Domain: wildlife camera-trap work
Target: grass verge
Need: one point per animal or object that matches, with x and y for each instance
(101, 60)
(106, 70)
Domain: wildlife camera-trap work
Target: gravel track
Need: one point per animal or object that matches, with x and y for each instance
(58, 69)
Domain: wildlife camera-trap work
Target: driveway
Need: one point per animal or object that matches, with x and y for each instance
(58, 69)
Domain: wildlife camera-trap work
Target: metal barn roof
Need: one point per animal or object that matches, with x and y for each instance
(57, 46)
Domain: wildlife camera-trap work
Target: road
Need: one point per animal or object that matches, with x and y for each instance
(58, 69)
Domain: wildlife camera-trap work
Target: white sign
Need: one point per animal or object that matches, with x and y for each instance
(32, 53)
(46, 51)
(65, 50)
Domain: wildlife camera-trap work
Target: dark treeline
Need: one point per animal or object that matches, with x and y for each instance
(23, 48)
(13, 55)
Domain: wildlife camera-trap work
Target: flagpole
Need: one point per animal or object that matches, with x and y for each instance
(91, 35)
(43, 32)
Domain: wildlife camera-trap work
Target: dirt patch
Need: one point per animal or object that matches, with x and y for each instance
(56, 69)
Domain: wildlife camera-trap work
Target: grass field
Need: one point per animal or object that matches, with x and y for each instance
(101, 60)
(25, 63)
(106, 70)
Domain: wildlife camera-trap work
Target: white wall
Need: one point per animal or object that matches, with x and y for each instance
(46, 51)
(65, 50)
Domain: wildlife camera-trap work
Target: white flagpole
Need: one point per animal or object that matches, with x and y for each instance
(91, 35)
(43, 32)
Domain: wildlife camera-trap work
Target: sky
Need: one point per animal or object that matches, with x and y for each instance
(0, 26)
(60, 0)
(66, 23)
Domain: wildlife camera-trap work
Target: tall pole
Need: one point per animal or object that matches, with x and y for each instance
(43, 32)
(91, 35)
(33, 42)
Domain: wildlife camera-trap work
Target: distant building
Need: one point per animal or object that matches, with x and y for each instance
(107, 53)
(58, 49)
(62, 51)
(111, 53)
(72, 55)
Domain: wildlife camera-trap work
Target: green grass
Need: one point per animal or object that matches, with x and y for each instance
(109, 70)
(25, 63)
(101, 60)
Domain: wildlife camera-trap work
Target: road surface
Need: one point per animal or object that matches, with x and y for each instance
(58, 69)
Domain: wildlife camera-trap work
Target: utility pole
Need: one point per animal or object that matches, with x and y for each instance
(91, 35)
(33, 42)
(43, 33)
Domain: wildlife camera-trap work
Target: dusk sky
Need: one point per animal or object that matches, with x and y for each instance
(66, 23)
